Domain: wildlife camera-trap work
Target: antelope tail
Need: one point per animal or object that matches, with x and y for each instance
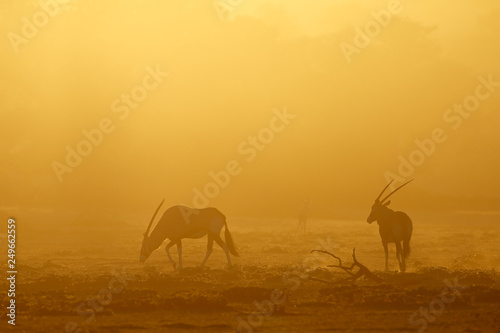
(230, 242)
(406, 248)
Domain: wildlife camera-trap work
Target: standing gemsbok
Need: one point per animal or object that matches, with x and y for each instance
(394, 227)
(180, 222)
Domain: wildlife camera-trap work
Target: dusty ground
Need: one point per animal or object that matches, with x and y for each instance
(84, 273)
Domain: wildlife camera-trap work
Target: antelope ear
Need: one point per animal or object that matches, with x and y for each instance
(387, 203)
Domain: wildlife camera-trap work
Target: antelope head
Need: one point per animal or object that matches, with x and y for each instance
(145, 249)
(380, 206)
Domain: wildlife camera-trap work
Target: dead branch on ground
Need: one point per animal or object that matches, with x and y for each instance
(362, 271)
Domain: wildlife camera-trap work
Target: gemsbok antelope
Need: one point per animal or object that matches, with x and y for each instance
(302, 216)
(394, 227)
(180, 222)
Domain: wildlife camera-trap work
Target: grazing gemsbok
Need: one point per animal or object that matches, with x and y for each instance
(394, 227)
(180, 222)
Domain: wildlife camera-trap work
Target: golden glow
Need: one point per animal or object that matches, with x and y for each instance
(288, 117)
(225, 78)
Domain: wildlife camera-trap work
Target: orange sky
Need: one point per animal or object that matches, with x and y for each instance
(351, 120)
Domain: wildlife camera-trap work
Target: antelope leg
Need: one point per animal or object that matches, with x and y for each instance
(386, 249)
(210, 248)
(167, 249)
(399, 255)
(224, 247)
(179, 251)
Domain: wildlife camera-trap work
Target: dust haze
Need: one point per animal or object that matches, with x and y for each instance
(288, 116)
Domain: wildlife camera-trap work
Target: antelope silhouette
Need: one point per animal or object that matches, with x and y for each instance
(302, 216)
(179, 222)
(394, 227)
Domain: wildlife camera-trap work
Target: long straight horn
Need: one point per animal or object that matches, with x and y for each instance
(395, 190)
(153, 218)
(385, 188)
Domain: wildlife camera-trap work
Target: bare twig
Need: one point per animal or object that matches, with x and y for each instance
(362, 271)
(321, 251)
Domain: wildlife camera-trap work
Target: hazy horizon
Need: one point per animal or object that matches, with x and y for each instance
(226, 79)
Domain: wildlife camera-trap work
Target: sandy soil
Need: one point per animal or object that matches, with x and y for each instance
(84, 275)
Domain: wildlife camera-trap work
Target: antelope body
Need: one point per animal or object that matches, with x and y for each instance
(394, 227)
(179, 222)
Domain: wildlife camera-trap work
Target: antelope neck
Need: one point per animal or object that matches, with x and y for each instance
(155, 240)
